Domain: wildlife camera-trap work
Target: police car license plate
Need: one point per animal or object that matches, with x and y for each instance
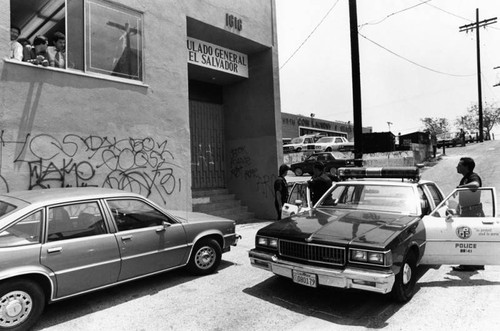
(304, 278)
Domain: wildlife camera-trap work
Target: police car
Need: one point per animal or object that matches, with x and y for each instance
(371, 230)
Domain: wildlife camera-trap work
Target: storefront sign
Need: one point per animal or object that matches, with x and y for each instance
(216, 57)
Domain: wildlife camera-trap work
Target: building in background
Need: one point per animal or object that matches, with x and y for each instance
(159, 97)
(299, 125)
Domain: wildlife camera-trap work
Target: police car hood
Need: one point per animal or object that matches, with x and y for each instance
(341, 226)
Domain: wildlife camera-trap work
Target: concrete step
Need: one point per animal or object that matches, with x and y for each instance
(222, 203)
(211, 192)
(213, 198)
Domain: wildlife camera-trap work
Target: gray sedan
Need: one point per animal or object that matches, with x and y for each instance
(58, 243)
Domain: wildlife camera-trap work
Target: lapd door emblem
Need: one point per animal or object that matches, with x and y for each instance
(464, 232)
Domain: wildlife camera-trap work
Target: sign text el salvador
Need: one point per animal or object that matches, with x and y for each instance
(216, 57)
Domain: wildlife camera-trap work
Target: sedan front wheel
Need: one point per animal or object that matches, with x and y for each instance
(205, 257)
(21, 303)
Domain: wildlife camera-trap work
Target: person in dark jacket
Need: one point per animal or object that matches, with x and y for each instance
(281, 189)
(319, 183)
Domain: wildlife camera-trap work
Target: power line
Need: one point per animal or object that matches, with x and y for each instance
(309, 36)
(452, 14)
(392, 14)
(445, 11)
(412, 62)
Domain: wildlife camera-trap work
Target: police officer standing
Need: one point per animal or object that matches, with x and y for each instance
(470, 180)
(319, 183)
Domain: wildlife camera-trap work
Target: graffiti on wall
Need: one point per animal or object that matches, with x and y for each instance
(241, 167)
(140, 165)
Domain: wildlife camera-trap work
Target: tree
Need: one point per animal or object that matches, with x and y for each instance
(470, 121)
(436, 125)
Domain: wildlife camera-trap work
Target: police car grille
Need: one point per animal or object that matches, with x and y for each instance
(312, 252)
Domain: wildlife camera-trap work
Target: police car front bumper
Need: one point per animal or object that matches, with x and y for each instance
(368, 280)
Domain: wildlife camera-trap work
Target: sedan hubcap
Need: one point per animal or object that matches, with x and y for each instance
(15, 308)
(205, 257)
(406, 274)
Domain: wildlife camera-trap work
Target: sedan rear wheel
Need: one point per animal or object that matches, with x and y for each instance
(205, 258)
(298, 172)
(21, 304)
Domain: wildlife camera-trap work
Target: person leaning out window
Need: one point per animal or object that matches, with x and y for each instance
(37, 54)
(57, 53)
(16, 49)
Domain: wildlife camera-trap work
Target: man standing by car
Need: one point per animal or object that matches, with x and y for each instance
(281, 189)
(319, 183)
(472, 181)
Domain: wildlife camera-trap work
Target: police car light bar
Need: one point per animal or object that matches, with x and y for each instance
(412, 173)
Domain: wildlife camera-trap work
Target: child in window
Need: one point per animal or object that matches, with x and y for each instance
(57, 53)
(37, 54)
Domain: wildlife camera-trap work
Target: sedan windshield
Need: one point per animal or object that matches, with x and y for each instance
(373, 197)
(297, 140)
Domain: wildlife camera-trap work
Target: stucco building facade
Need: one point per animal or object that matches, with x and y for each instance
(159, 97)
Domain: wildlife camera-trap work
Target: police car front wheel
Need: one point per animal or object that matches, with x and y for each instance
(404, 285)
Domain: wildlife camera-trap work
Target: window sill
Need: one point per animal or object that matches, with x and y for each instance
(80, 73)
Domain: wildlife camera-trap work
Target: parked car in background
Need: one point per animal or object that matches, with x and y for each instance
(329, 144)
(331, 160)
(371, 230)
(448, 139)
(58, 243)
(452, 139)
(301, 144)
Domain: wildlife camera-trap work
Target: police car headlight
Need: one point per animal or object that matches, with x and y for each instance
(377, 258)
(267, 242)
(358, 255)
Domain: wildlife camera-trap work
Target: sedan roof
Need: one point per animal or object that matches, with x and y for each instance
(57, 195)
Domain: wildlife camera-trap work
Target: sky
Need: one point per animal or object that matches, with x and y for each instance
(414, 61)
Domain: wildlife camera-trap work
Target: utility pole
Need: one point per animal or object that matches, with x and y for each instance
(356, 82)
(471, 27)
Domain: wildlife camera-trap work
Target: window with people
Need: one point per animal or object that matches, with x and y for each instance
(85, 35)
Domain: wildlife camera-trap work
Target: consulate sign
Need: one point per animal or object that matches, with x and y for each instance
(216, 57)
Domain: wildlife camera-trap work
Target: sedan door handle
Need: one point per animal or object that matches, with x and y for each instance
(54, 250)
(162, 229)
(126, 238)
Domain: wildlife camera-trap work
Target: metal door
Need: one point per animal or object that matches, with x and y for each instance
(207, 145)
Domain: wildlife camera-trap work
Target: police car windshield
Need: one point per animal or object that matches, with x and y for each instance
(373, 197)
